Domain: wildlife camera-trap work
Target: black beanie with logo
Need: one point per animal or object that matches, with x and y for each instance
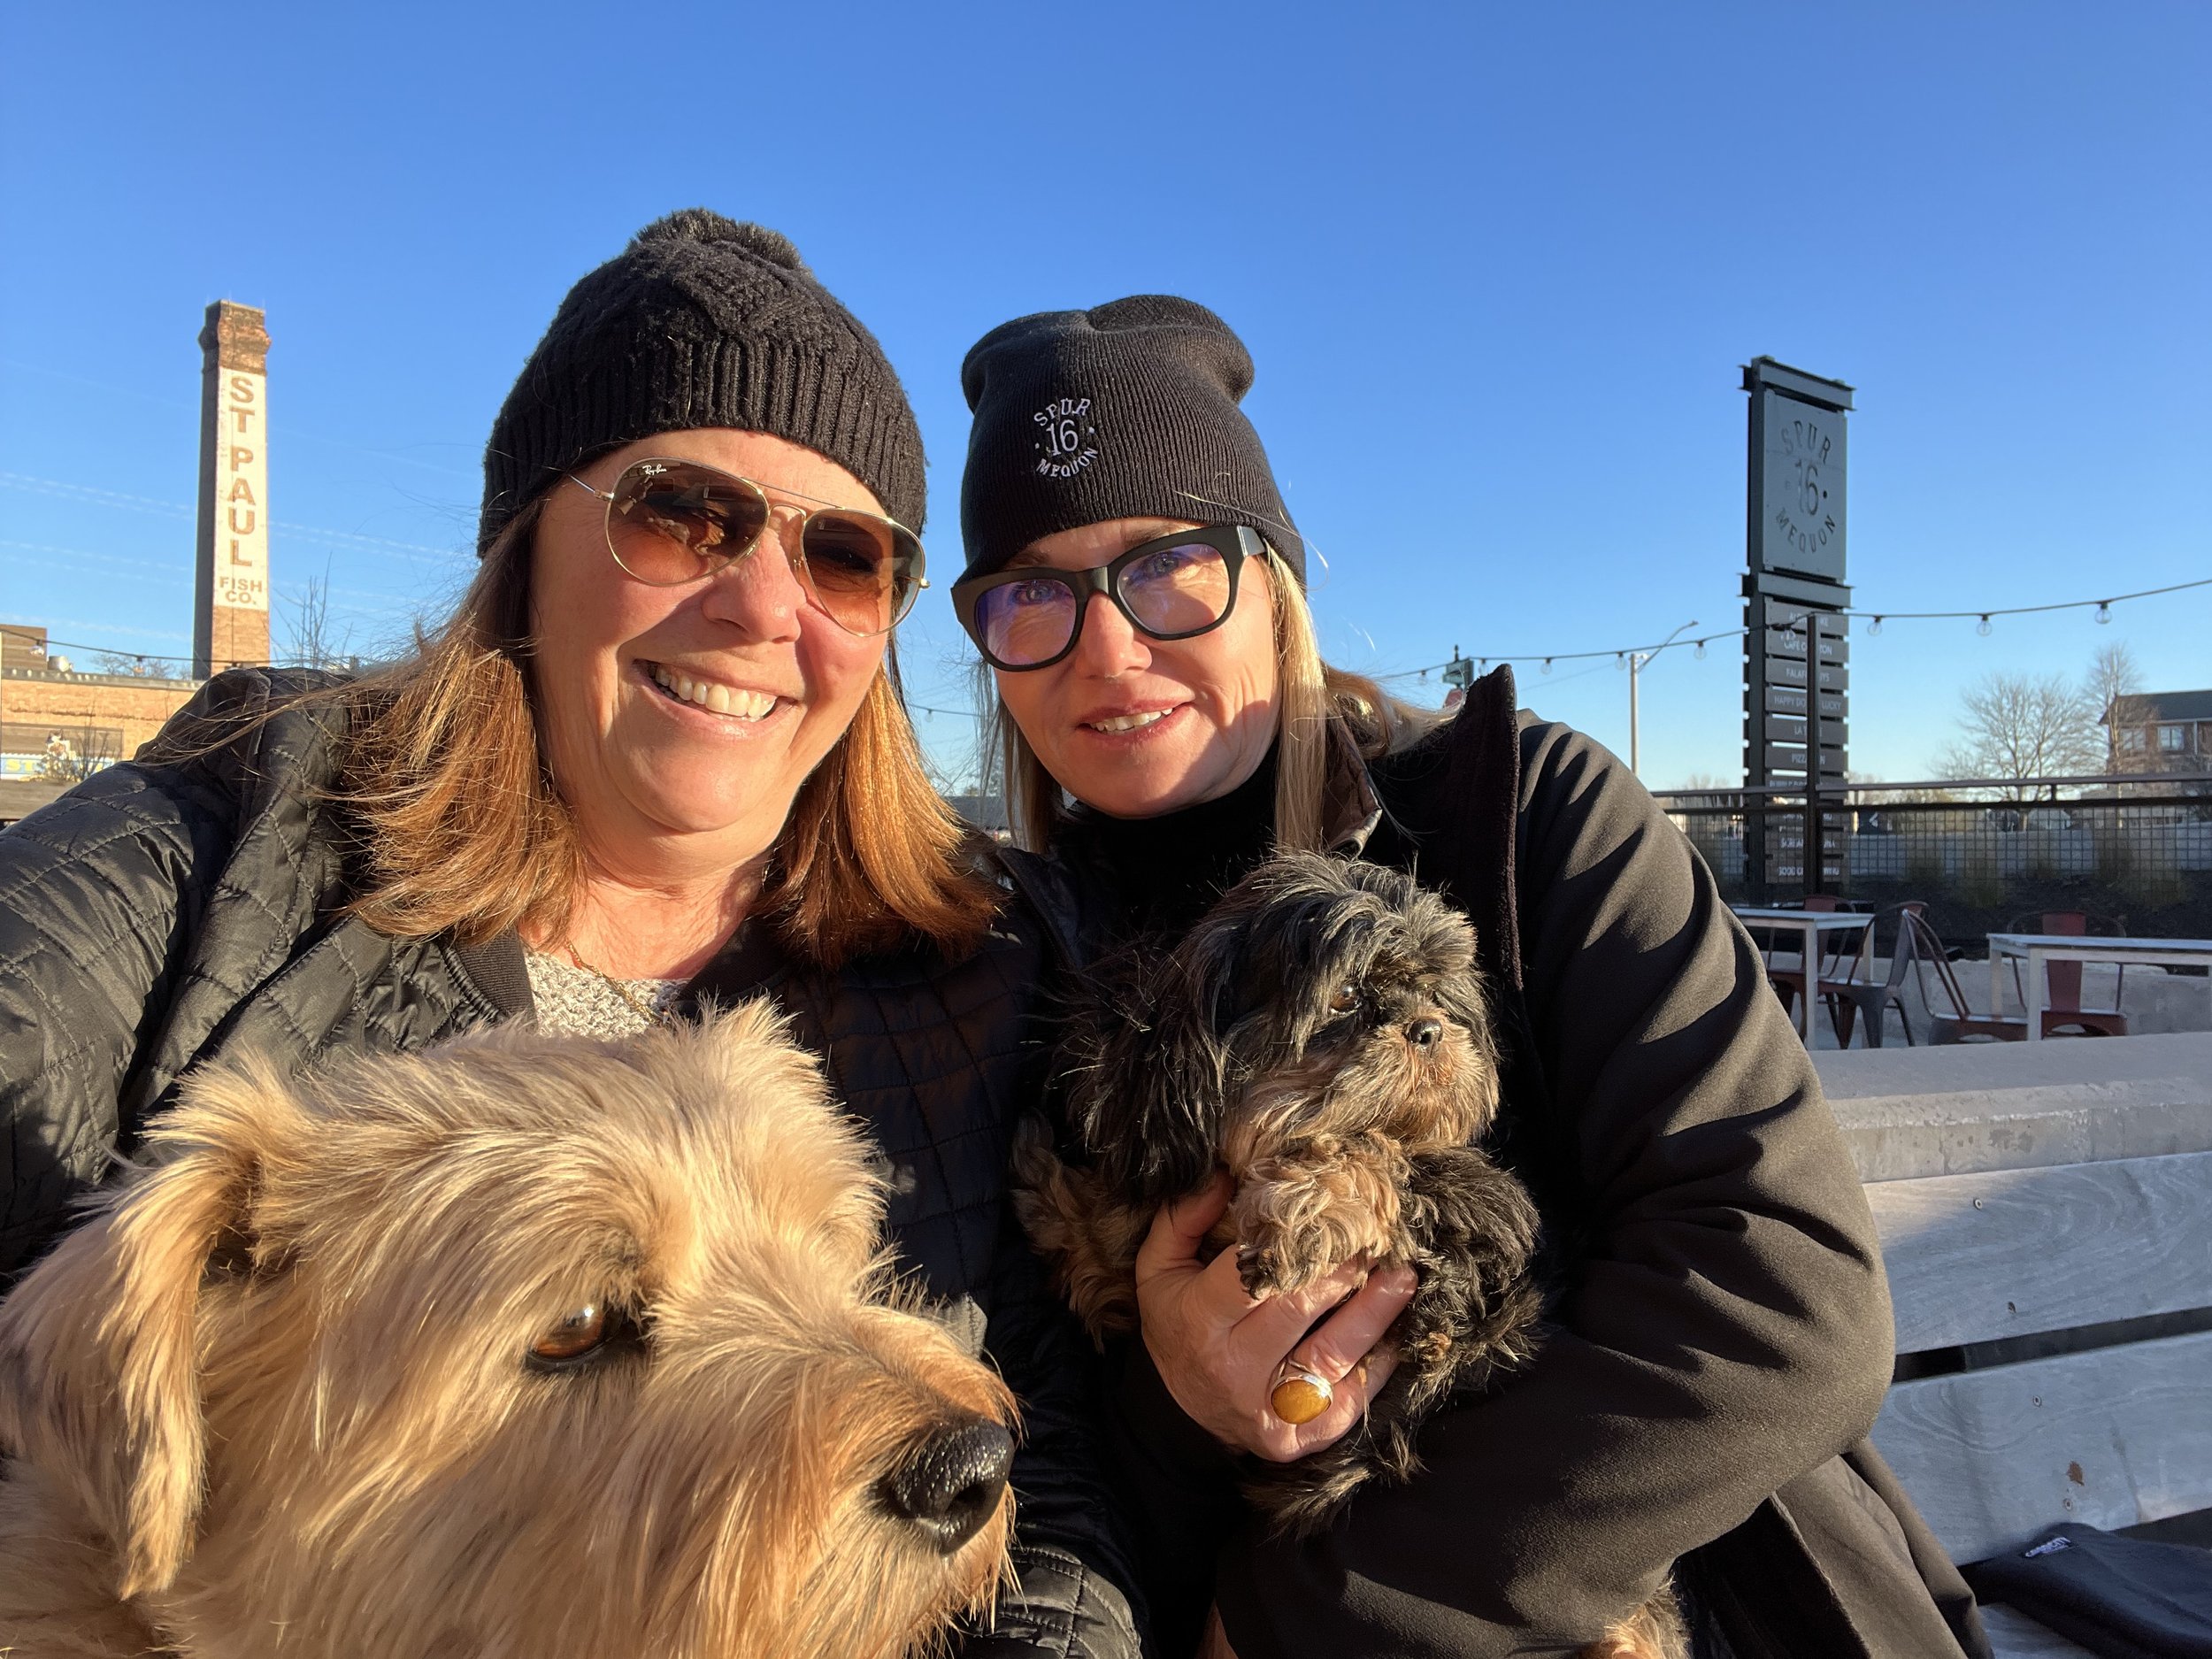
(1126, 411)
(702, 321)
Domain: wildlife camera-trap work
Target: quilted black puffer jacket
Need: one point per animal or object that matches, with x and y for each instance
(160, 913)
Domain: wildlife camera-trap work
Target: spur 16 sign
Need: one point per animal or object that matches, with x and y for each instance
(1796, 640)
(1801, 521)
(1797, 650)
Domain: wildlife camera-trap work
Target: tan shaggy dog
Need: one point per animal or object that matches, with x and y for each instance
(524, 1348)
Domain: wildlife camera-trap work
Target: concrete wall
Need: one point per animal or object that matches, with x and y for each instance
(1908, 1112)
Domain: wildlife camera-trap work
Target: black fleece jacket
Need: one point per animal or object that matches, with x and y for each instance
(1724, 1332)
(160, 913)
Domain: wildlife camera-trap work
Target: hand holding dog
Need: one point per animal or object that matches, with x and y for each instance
(1218, 1348)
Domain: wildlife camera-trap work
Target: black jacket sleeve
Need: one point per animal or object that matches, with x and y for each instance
(1724, 1327)
(95, 896)
(1076, 1594)
(134, 912)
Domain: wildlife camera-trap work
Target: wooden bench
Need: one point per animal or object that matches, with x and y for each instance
(1988, 1269)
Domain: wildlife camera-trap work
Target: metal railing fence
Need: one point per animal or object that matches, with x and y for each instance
(1981, 853)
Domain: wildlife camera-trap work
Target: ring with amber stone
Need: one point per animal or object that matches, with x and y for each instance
(1300, 1394)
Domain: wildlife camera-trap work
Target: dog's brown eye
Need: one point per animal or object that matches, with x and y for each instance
(587, 1334)
(1345, 1001)
(577, 1332)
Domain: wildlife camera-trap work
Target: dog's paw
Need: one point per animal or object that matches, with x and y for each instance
(1268, 1270)
(1283, 1261)
(1429, 1349)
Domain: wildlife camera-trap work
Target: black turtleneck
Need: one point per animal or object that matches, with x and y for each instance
(1166, 871)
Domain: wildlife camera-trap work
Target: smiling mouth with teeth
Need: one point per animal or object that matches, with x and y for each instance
(715, 699)
(1130, 722)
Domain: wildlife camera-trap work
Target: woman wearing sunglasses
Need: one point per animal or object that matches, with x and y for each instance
(1136, 588)
(656, 754)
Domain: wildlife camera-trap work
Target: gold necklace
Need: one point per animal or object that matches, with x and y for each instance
(645, 1011)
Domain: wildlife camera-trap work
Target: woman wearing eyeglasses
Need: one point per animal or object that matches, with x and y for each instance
(1723, 1341)
(656, 754)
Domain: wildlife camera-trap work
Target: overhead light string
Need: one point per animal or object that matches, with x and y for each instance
(1984, 621)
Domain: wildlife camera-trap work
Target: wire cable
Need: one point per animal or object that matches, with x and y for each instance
(1875, 619)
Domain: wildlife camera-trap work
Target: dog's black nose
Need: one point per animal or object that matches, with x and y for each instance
(1426, 1033)
(952, 1483)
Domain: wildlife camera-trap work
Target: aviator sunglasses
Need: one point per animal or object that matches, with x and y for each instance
(671, 522)
(1172, 587)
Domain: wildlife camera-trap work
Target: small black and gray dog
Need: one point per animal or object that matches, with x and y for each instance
(1320, 1032)
(1321, 1035)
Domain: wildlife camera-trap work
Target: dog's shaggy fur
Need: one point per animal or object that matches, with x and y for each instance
(1322, 1033)
(523, 1346)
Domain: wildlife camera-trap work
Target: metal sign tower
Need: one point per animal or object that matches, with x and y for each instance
(1797, 670)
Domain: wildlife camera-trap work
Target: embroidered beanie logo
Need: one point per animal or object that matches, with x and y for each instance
(1067, 442)
(1167, 377)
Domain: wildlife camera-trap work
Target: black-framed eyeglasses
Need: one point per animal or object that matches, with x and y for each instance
(671, 522)
(1171, 588)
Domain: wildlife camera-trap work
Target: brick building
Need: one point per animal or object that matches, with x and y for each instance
(2160, 730)
(54, 719)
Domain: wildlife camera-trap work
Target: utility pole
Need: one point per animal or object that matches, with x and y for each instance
(1636, 661)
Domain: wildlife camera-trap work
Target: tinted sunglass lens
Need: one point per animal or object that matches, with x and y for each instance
(1179, 589)
(1024, 623)
(859, 570)
(673, 524)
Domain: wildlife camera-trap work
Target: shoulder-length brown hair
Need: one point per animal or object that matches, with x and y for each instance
(1312, 696)
(462, 829)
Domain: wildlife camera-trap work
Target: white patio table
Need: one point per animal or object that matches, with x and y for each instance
(2039, 949)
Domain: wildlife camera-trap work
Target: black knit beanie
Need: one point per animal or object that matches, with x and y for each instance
(702, 321)
(1126, 411)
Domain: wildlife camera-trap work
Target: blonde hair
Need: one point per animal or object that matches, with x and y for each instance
(1311, 698)
(444, 772)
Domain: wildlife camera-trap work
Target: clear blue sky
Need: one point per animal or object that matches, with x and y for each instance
(1498, 265)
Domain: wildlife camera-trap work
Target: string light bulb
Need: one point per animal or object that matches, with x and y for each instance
(1982, 627)
(2104, 611)
(1874, 627)
(1700, 651)
(1620, 659)
(1548, 664)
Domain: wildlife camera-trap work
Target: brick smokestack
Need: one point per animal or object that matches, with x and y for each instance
(230, 603)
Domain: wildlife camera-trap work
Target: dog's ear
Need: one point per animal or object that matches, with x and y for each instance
(1150, 1105)
(99, 1369)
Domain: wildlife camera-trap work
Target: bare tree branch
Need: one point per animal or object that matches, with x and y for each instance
(2025, 725)
(310, 640)
(2113, 680)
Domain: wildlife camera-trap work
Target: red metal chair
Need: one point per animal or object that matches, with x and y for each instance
(2062, 983)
